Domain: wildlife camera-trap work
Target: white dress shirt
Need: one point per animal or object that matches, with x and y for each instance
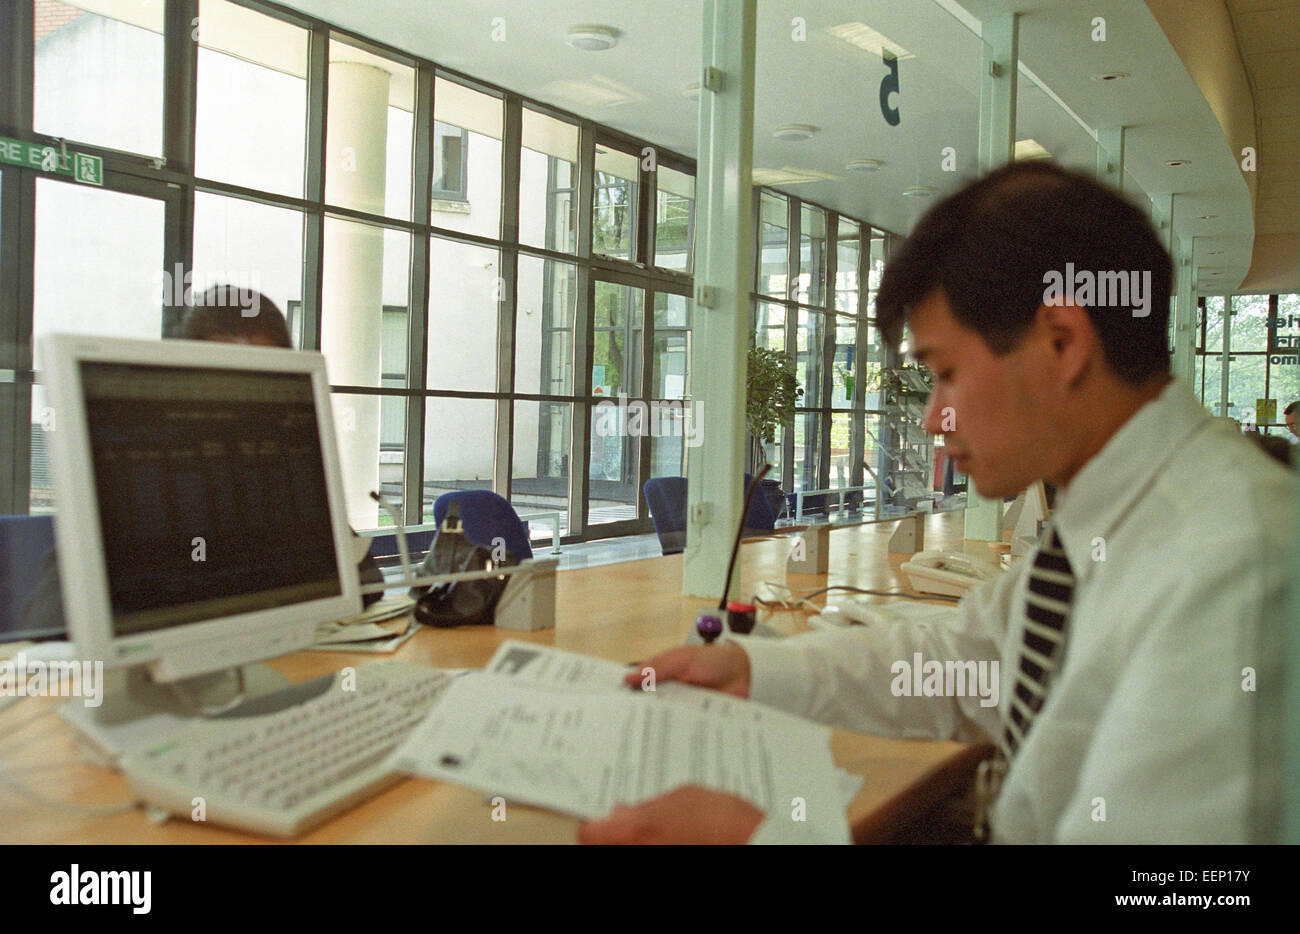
(1178, 533)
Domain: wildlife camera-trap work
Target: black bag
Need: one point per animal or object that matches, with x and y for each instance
(461, 603)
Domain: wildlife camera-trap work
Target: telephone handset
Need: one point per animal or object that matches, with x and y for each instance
(947, 572)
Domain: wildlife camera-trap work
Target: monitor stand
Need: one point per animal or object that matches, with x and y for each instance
(136, 711)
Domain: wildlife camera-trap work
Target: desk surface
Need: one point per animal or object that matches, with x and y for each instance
(624, 612)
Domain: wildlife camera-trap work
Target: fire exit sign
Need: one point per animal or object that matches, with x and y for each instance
(89, 170)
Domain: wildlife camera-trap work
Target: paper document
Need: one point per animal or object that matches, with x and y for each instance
(550, 728)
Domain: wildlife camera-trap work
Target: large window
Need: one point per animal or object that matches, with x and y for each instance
(486, 276)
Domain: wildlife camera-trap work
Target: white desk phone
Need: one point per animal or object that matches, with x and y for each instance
(950, 573)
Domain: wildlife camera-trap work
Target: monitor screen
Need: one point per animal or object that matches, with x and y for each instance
(212, 492)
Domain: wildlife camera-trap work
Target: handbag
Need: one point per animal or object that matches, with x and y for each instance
(460, 603)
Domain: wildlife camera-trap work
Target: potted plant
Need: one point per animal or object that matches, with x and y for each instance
(771, 393)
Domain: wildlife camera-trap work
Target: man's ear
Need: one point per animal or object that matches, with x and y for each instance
(1070, 337)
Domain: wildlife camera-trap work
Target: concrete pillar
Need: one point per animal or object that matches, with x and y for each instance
(352, 288)
(997, 141)
(723, 278)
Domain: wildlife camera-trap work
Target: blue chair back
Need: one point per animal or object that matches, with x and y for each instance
(486, 515)
(760, 517)
(24, 543)
(666, 497)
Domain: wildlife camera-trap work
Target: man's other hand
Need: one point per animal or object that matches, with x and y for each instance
(723, 667)
(687, 815)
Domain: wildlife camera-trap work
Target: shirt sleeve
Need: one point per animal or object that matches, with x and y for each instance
(847, 678)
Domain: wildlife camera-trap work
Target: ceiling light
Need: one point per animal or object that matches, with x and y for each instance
(869, 40)
(1178, 163)
(1030, 149)
(1206, 217)
(1215, 253)
(918, 191)
(1111, 76)
(863, 165)
(590, 38)
(794, 132)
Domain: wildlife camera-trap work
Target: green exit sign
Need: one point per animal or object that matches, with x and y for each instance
(88, 170)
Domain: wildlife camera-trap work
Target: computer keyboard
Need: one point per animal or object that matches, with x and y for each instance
(288, 770)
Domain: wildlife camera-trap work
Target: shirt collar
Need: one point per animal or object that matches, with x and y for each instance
(1103, 491)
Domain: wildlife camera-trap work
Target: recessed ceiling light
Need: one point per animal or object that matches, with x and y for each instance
(918, 191)
(1206, 217)
(863, 165)
(1111, 76)
(1030, 149)
(691, 91)
(1215, 253)
(794, 132)
(869, 40)
(1178, 163)
(592, 38)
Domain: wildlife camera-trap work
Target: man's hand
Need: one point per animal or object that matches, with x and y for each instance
(723, 667)
(687, 815)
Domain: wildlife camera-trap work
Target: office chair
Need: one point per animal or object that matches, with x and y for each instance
(485, 515)
(24, 543)
(666, 497)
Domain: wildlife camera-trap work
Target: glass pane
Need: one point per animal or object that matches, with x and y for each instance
(672, 359)
(671, 444)
(1214, 323)
(841, 436)
(770, 327)
(808, 365)
(807, 434)
(364, 303)
(615, 449)
(98, 269)
(674, 219)
(614, 203)
(368, 123)
(464, 297)
(1249, 322)
(845, 366)
(812, 255)
(371, 434)
(846, 268)
(1245, 384)
(99, 75)
(248, 58)
(774, 240)
(466, 159)
(544, 327)
(1284, 366)
(616, 342)
(540, 471)
(245, 242)
(458, 447)
(1213, 383)
(548, 183)
(875, 270)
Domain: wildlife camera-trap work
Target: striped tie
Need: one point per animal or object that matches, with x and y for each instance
(1047, 606)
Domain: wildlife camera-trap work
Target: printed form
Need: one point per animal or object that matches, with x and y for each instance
(554, 729)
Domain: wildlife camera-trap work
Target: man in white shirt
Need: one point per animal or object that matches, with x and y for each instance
(1138, 645)
(1292, 415)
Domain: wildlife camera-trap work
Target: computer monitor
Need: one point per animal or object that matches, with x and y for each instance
(200, 516)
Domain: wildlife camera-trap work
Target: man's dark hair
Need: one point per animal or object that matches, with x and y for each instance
(1291, 408)
(991, 246)
(225, 312)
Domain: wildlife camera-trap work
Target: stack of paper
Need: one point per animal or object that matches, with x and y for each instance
(550, 728)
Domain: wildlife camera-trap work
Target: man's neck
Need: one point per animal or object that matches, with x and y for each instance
(1115, 408)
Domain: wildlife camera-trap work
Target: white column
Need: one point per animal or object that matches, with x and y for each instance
(1000, 64)
(352, 288)
(723, 277)
(1110, 156)
(1184, 289)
